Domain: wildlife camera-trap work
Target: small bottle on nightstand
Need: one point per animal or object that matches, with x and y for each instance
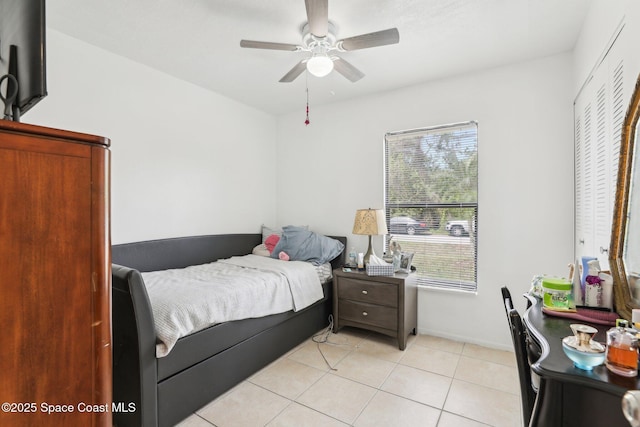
(352, 257)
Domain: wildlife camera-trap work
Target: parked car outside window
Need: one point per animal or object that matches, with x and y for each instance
(458, 227)
(407, 225)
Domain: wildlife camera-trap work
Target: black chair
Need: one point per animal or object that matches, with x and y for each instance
(525, 355)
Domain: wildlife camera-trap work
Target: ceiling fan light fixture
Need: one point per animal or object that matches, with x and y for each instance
(319, 41)
(320, 65)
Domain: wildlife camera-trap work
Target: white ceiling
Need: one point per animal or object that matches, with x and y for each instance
(199, 40)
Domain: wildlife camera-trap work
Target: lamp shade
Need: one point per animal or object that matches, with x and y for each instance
(370, 222)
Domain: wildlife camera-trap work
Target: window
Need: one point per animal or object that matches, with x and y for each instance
(431, 201)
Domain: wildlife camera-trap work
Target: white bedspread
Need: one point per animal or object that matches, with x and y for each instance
(187, 300)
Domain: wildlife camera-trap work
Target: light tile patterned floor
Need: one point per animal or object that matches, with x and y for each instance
(435, 382)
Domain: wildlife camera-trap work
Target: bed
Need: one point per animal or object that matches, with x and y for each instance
(161, 391)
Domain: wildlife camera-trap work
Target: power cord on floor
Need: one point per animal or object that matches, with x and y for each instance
(322, 337)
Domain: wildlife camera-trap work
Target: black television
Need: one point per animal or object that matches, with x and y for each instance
(22, 54)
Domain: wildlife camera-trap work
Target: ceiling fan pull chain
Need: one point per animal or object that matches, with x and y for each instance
(306, 122)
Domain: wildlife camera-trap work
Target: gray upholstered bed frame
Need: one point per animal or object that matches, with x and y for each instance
(202, 366)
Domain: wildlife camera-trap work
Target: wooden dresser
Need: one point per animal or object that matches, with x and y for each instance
(385, 304)
(55, 276)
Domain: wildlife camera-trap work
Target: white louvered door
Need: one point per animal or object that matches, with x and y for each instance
(598, 117)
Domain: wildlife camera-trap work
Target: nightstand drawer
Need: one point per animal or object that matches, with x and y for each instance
(369, 292)
(375, 315)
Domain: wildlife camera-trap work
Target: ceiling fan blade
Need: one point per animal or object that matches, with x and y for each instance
(318, 16)
(268, 45)
(294, 72)
(346, 69)
(379, 38)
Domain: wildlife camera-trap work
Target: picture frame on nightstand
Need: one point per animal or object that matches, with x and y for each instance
(406, 258)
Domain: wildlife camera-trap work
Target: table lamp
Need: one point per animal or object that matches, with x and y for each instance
(370, 222)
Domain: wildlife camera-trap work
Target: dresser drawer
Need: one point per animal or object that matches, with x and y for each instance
(369, 314)
(369, 292)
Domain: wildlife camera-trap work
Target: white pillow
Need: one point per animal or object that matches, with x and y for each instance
(261, 250)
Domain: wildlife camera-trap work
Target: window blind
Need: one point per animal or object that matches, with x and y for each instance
(431, 185)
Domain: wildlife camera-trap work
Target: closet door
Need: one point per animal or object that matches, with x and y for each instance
(55, 343)
(598, 116)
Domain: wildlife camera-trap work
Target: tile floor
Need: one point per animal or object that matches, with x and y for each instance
(434, 382)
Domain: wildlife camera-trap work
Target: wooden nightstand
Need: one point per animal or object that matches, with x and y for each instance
(385, 304)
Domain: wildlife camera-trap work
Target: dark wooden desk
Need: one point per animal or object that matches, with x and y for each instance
(569, 396)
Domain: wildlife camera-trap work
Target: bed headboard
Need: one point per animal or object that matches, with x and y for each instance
(180, 252)
(340, 260)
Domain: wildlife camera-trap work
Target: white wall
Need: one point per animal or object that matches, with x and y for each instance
(185, 161)
(335, 166)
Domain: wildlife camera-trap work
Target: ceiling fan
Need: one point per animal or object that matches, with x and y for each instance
(318, 38)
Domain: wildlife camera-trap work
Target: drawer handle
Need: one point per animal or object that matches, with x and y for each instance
(364, 313)
(365, 292)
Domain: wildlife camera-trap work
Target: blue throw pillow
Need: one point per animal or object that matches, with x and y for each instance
(304, 245)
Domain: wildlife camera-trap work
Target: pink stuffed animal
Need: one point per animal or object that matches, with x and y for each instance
(271, 242)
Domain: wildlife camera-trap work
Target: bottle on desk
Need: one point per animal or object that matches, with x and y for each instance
(622, 350)
(635, 318)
